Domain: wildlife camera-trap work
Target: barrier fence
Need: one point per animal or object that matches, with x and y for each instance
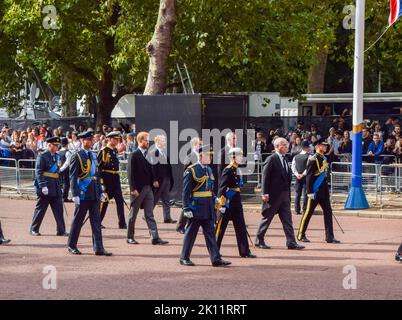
(381, 183)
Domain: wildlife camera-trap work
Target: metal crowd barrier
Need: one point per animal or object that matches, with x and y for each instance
(390, 185)
(26, 175)
(341, 179)
(9, 173)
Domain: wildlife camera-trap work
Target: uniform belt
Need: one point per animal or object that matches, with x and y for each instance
(111, 171)
(202, 194)
(51, 175)
(234, 189)
(89, 178)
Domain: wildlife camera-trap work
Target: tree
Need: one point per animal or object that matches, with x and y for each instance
(158, 48)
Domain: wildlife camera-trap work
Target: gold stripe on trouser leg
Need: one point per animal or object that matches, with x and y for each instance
(303, 221)
(218, 227)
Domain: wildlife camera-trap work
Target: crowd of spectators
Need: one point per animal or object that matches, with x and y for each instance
(27, 144)
(382, 143)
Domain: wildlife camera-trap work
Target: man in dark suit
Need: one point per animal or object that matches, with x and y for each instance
(276, 180)
(398, 255)
(48, 188)
(2, 239)
(223, 157)
(163, 175)
(142, 182)
(87, 194)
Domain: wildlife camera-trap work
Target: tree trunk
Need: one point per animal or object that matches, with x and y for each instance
(106, 99)
(316, 80)
(158, 48)
(68, 102)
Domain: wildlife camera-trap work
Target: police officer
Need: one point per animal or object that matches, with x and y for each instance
(48, 188)
(110, 178)
(398, 255)
(87, 194)
(232, 209)
(65, 158)
(2, 239)
(318, 192)
(199, 208)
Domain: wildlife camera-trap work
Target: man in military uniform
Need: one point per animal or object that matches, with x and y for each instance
(317, 192)
(230, 200)
(189, 160)
(110, 178)
(48, 188)
(2, 239)
(398, 255)
(87, 194)
(199, 208)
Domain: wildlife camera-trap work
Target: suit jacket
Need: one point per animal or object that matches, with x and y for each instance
(139, 171)
(94, 189)
(162, 168)
(275, 180)
(223, 160)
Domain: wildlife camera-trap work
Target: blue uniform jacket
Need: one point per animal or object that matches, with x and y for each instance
(79, 165)
(46, 164)
(199, 179)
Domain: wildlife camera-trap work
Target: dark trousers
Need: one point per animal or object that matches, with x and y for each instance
(322, 198)
(300, 189)
(56, 204)
(163, 194)
(236, 214)
(280, 206)
(65, 179)
(146, 201)
(92, 207)
(118, 197)
(208, 229)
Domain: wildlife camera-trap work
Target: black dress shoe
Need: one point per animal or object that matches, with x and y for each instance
(180, 230)
(62, 234)
(249, 255)
(123, 226)
(333, 241)
(263, 246)
(304, 239)
(68, 200)
(295, 246)
(34, 233)
(398, 256)
(4, 241)
(132, 241)
(159, 241)
(221, 263)
(103, 253)
(74, 250)
(103, 227)
(170, 221)
(187, 263)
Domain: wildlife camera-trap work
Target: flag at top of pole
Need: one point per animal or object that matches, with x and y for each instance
(396, 11)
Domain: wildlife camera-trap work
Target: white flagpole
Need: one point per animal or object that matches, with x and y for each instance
(356, 197)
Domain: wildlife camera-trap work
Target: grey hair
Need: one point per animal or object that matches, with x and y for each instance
(279, 141)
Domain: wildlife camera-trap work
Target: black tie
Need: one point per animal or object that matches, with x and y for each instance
(284, 164)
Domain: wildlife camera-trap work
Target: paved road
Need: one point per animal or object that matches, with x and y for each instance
(152, 272)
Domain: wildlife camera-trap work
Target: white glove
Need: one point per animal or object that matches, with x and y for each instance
(310, 195)
(45, 191)
(188, 214)
(222, 210)
(76, 200)
(103, 197)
